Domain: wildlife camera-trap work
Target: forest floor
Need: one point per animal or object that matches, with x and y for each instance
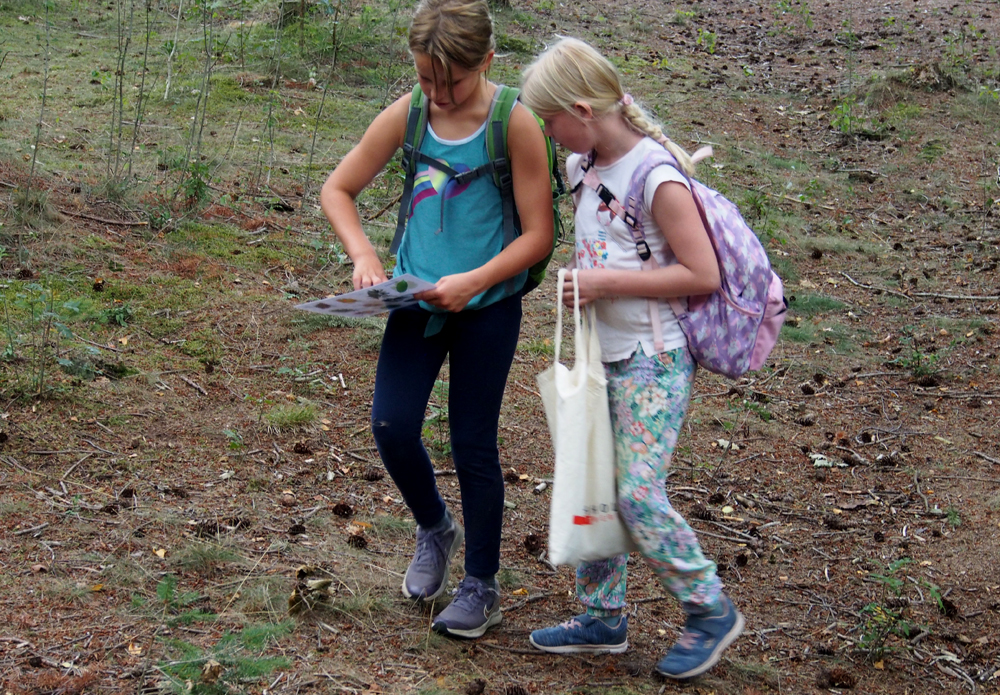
(173, 467)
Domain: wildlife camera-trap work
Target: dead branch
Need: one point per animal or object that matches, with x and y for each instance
(992, 460)
(125, 223)
(875, 289)
(193, 385)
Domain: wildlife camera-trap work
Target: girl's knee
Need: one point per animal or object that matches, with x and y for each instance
(389, 432)
(642, 505)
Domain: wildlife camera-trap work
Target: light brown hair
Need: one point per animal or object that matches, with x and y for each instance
(453, 32)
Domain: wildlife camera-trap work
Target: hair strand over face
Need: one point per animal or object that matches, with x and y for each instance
(452, 32)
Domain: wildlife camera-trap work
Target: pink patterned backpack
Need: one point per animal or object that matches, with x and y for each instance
(732, 330)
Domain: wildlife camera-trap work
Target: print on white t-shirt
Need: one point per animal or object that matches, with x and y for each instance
(604, 241)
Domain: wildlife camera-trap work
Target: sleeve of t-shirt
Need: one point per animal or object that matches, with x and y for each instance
(661, 174)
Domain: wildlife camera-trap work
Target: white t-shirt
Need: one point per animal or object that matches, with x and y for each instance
(604, 241)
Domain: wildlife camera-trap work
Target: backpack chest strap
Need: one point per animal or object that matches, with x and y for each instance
(593, 181)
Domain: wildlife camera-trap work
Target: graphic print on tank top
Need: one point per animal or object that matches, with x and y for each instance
(429, 183)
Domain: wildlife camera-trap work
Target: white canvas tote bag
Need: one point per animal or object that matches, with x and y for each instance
(584, 522)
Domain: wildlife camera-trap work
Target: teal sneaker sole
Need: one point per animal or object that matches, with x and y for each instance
(581, 648)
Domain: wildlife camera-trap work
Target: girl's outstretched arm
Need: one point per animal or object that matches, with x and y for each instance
(533, 196)
(696, 271)
(355, 171)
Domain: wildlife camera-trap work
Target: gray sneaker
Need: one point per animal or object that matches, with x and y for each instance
(427, 575)
(475, 609)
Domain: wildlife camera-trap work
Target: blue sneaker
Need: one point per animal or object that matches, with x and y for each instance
(704, 639)
(584, 633)
(427, 575)
(474, 610)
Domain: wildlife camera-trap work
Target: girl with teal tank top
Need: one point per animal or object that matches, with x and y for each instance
(472, 316)
(454, 227)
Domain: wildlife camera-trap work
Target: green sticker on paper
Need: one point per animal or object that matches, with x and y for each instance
(401, 286)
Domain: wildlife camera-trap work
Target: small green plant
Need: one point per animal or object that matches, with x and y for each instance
(797, 10)
(681, 17)
(931, 150)
(291, 415)
(436, 422)
(235, 440)
(753, 204)
(813, 191)
(917, 362)
(176, 606)
(542, 347)
(953, 518)
(844, 118)
(194, 185)
(708, 40)
(118, 315)
(36, 324)
(235, 661)
(885, 617)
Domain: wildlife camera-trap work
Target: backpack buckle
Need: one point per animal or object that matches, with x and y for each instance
(504, 177)
(643, 249)
(606, 196)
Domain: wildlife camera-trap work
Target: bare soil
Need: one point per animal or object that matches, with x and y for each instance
(850, 491)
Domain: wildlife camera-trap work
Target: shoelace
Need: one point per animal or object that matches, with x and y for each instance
(468, 593)
(688, 640)
(570, 624)
(429, 547)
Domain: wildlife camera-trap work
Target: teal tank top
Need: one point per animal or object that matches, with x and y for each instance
(454, 228)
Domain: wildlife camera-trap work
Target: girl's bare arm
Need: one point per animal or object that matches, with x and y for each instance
(355, 171)
(696, 271)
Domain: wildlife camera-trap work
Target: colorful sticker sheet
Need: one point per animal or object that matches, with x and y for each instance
(385, 296)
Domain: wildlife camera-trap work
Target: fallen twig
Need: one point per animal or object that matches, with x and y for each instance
(876, 289)
(73, 467)
(992, 460)
(11, 461)
(512, 650)
(530, 599)
(193, 385)
(970, 297)
(113, 453)
(384, 209)
(125, 223)
(26, 531)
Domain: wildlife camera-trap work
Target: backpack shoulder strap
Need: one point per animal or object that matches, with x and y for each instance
(416, 126)
(632, 217)
(497, 126)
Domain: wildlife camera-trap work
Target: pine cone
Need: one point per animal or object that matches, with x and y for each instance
(344, 510)
(373, 473)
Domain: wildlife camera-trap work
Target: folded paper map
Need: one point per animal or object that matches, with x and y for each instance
(385, 296)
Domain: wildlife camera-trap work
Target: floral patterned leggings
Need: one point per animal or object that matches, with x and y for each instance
(649, 398)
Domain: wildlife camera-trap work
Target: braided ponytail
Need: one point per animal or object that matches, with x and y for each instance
(640, 121)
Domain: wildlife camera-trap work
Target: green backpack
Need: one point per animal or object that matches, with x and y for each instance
(504, 100)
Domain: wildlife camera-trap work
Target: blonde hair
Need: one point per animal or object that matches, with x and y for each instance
(573, 71)
(453, 32)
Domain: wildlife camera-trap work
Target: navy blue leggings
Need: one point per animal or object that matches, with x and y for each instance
(480, 346)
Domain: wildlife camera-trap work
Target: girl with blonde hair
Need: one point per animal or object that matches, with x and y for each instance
(454, 238)
(650, 371)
